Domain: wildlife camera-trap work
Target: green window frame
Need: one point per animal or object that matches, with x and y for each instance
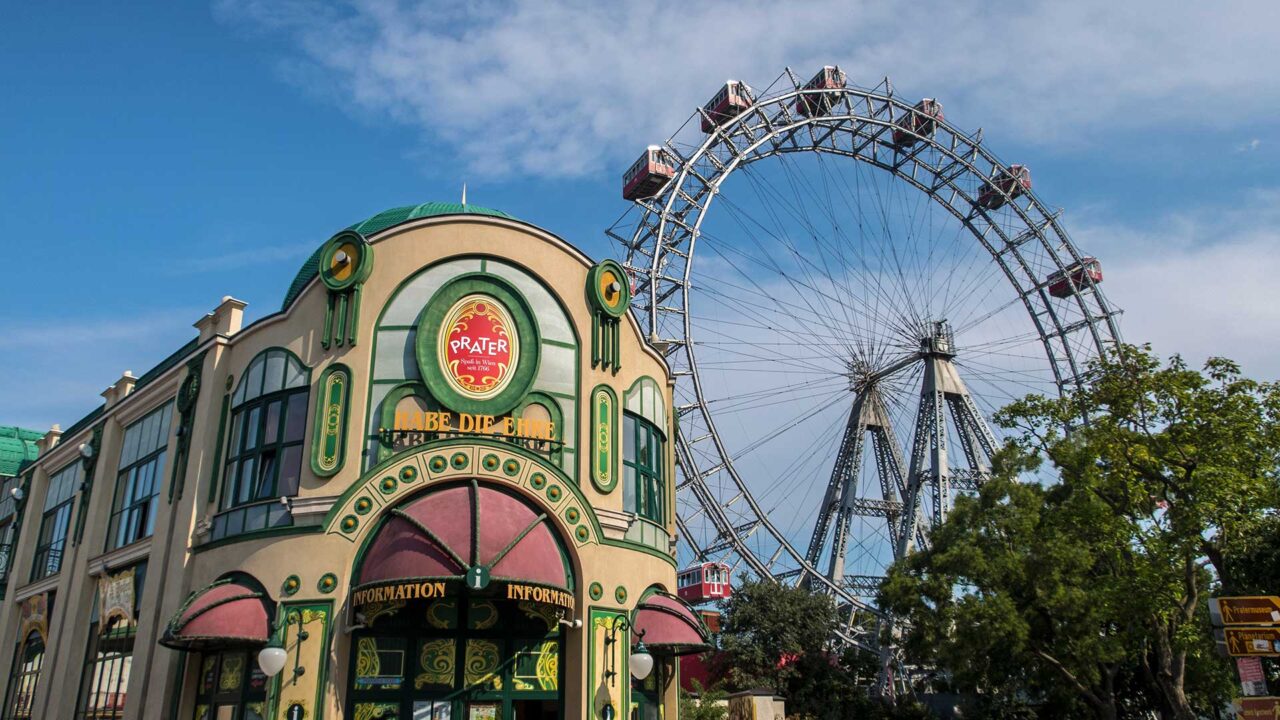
(133, 510)
(24, 675)
(643, 450)
(55, 522)
(265, 445)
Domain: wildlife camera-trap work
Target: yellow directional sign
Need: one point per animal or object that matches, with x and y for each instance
(1253, 610)
(1243, 641)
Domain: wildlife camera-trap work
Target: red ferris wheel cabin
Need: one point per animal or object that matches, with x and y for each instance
(647, 175)
(704, 582)
(920, 122)
(1063, 283)
(732, 100)
(1004, 186)
(830, 77)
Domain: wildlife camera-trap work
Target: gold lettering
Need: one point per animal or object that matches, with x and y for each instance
(446, 420)
(466, 423)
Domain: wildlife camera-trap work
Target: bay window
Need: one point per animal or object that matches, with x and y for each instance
(264, 457)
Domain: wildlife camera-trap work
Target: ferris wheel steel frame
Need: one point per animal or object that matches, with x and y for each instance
(858, 124)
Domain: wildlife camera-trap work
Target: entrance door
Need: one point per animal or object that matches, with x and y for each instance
(458, 659)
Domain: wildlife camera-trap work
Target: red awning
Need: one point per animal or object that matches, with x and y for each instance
(228, 613)
(443, 535)
(669, 625)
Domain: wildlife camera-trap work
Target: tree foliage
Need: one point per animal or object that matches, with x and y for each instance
(777, 637)
(1087, 589)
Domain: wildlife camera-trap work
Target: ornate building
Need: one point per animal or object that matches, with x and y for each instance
(436, 484)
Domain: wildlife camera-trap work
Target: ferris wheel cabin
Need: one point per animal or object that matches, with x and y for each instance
(1063, 283)
(732, 100)
(704, 582)
(1004, 186)
(830, 77)
(647, 175)
(920, 122)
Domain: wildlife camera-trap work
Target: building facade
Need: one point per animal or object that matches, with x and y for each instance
(436, 484)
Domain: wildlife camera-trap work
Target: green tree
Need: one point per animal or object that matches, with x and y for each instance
(776, 637)
(1092, 589)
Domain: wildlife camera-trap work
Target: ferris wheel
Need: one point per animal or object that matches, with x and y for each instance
(870, 284)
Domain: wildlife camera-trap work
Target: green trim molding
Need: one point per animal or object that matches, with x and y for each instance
(329, 435)
(604, 438)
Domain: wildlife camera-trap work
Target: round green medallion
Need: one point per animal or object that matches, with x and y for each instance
(609, 288)
(345, 260)
(478, 345)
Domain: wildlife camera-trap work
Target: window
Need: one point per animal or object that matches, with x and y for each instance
(133, 513)
(644, 491)
(56, 521)
(231, 687)
(264, 459)
(8, 507)
(104, 686)
(23, 678)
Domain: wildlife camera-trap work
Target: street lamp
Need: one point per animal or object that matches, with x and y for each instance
(272, 658)
(640, 662)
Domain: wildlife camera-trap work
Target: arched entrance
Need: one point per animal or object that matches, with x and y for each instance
(456, 603)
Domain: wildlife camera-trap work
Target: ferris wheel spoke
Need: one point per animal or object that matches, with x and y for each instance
(806, 262)
(831, 325)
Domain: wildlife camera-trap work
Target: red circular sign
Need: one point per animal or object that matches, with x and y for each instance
(478, 346)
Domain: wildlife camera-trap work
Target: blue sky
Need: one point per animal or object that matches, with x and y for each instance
(157, 156)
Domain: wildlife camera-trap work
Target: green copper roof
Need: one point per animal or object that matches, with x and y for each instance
(377, 224)
(17, 448)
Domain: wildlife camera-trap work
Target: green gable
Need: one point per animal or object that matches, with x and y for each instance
(380, 222)
(17, 448)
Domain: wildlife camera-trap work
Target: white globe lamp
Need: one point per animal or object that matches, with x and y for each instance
(272, 659)
(641, 662)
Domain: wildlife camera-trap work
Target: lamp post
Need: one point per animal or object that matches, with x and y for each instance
(272, 658)
(640, 662)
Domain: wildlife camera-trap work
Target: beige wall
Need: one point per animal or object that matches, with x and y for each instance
(177, 563)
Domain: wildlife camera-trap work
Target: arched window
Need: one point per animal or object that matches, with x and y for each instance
(644, 490)
(644, 451)
(264, 446)
(23, 678)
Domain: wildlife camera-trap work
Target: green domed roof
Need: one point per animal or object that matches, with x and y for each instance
(380, 222)
(17, 448)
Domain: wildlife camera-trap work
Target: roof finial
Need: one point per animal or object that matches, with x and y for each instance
(464, 194)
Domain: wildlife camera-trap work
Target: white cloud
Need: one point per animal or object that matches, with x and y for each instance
(1250, 146)
(1200, 283)
(567, 87)
(58, 366)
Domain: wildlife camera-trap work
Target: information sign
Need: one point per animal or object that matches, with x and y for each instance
(1251, 610)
